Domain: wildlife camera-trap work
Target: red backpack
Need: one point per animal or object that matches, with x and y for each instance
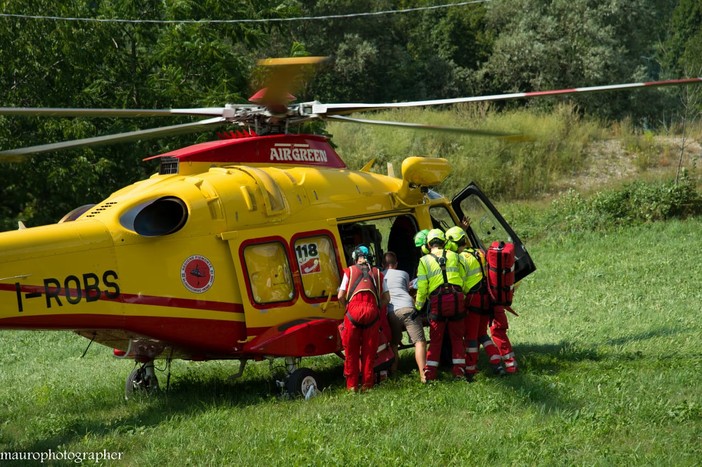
(500, 261)
(363, 279)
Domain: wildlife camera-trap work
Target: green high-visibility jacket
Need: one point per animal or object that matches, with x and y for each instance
(474, 271)
(430, 276)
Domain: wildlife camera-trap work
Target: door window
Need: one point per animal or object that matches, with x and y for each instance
(318, 265)
(268, 270)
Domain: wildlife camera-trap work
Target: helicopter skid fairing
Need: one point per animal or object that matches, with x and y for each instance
(212, 341)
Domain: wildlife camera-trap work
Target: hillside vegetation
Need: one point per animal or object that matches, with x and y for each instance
(559, 150)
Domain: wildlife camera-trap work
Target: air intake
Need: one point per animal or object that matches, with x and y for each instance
(169, 166)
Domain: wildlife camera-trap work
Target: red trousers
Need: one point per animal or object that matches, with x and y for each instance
(437, 329)
(476, 334)
(360, 344)
(498, 330)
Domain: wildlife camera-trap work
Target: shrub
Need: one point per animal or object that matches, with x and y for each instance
(634, 203)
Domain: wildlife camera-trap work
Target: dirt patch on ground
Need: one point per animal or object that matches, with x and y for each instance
(615, 161)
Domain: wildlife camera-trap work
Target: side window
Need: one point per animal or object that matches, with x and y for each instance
(487, 225)
(318, 265)
(268, 270)
(441, 218)
(394, 234)
(483, 222)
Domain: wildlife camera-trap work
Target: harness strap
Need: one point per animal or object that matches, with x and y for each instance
(441, 290)
(483, 281)
(456, 317)
(442, 264)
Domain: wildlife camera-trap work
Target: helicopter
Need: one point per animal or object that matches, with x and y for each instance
(235, 248)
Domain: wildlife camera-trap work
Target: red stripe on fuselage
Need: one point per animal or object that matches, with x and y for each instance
(135, 299)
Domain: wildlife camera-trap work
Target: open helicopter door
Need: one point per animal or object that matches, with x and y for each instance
(487, 225)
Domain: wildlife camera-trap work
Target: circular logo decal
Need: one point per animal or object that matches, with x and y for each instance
(197, 274)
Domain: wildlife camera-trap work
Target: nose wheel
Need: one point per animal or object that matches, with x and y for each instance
(141, 380)
(302, 382)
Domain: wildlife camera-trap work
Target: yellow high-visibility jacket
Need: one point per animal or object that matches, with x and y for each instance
(430, 277)
(474, 270)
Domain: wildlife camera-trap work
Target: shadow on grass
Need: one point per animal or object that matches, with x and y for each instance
(644, 336)
(189, 393)
(194, 392)
(538, 365)
(543, 367)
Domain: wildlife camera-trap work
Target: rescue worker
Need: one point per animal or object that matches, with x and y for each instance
(363, 293)
(441, 280)
(420, 241)
(401, 313)
(477, 305)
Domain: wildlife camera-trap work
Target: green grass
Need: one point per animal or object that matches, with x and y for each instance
(608, 343)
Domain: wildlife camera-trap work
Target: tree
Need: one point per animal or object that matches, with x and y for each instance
(61, 63)
(551, 44)
(681, 53)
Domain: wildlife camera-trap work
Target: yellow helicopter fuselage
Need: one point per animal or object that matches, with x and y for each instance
(218, 260)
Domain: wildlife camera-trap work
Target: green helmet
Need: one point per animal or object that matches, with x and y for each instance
(455, 234)
(421, 238)
(436, 235)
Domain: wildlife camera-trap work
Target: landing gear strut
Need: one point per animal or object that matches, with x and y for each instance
(141, 380)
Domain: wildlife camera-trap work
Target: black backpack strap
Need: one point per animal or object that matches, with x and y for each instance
(482, 285)
(442, 264)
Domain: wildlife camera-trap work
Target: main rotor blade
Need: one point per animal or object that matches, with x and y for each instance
(420, 126)
(151, 133)
(341, 109)
(68, 112)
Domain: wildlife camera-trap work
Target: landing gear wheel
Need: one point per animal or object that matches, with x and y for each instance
(141, 380)
(302, 382)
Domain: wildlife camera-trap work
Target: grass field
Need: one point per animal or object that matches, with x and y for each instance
(611, 369)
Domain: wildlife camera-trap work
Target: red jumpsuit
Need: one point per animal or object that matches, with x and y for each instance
(360, 341)
(444, 287)
(499, 335)
(476, 334)
(479, 308)
(437, 329)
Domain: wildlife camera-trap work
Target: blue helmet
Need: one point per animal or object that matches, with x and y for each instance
(360, 250)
